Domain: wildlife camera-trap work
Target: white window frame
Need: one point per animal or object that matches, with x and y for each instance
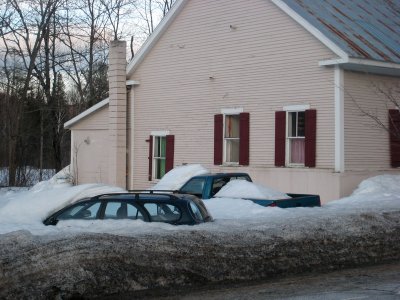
(157, 134)
(291, 109)
(230, 113)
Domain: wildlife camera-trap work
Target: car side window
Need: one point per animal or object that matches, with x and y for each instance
(85, 211)
(122, 210)
(160, 212)
(218, 183)
(194, 187)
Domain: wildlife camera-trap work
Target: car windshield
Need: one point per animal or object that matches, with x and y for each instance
(194, 187)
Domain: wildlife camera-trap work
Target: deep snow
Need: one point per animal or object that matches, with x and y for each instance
(26, 209)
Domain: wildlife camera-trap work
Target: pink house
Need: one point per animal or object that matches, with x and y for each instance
(279, 89)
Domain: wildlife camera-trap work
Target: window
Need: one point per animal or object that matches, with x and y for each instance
(196, 211)
(160, 212)
(296, 137)
(231, 139)
(86, 211)
(194, 186)
(159, 156)
(122, 210)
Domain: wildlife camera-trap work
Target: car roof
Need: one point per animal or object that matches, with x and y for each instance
(146, 196)
(220, 175)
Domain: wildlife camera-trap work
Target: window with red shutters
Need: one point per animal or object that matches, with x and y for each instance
(394, 137)
(232, 139)
(161, 155)
(295, 138)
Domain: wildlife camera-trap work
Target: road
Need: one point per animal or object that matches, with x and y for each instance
(377, 282)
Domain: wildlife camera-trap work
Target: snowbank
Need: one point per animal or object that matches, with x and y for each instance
(178, 176)
(249, 190)
(25, 209)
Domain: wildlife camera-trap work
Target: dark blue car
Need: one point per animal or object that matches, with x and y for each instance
(148, 206)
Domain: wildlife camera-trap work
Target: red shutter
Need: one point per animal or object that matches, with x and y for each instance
(310, 138)
(394, 130)
(218, 138)
(150, 141)
(244, 134)
(280, 138)
(169, 153)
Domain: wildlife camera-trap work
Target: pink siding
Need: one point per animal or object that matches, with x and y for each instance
(90, 159)
(366, 143)
(201, 65)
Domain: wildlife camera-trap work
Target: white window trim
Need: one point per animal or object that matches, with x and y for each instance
(228, 112)
(232, 111)
(299, 107)
(160, 133)
(289, 109)
(154, 134)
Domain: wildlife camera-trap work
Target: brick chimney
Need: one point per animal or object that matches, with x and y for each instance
(117, 113)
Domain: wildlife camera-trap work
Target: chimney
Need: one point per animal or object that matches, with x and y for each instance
(117, 111)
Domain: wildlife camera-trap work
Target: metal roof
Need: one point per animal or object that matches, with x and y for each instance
(366, 29)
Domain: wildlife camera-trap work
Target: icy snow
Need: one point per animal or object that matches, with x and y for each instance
(249, 190)
(26, 209)
(178, 176)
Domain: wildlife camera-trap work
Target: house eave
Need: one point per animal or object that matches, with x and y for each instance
(364, 65)
(84, 114)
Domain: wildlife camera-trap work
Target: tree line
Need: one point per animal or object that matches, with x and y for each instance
(53, 65)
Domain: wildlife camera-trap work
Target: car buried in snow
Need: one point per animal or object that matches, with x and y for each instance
(206, 186)
(148, 206)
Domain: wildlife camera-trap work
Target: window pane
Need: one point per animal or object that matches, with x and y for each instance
(292, 121)
(232, 126)
(297, 151)
(301, 123)
(160, 168)
(133, 213)
(163, 212)
(196, 211)
(162, 146)
(87, 211)
(111, 210)
(156, 146)
(232, 150)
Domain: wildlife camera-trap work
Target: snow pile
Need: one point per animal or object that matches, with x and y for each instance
(249, 190)
(378, 194)
(178, 176)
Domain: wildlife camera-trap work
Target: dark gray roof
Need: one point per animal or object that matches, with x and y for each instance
(366, 29)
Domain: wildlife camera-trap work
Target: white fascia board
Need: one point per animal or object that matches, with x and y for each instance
(85, 113)
(310, 28)
(155, 36)
(361, 62)
(339, 119)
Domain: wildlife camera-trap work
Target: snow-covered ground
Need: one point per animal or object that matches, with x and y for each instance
(26, 209)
